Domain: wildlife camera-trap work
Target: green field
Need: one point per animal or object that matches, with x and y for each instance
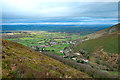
(98, 51)
(51, 42)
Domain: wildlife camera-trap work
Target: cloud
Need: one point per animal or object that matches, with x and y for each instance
(80, 21)
(60, 23)
(49, 11)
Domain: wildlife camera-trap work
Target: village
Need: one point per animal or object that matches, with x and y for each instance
(79, 57)
(50, 42)
(66, 52)
(64, 47)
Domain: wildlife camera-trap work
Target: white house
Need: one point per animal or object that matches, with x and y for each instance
(61, 51)
(74, 58)
(77, 54)
(70, 49)
(85, 60)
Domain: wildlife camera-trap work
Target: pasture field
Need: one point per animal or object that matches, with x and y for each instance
(48, 41)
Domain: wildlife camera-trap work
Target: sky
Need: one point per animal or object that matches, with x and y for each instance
(59, 12)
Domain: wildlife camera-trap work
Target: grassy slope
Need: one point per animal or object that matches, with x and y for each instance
(19, 61)
(106, 39)
(109, 43)
(102, 48)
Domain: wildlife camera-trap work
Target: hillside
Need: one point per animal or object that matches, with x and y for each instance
(108, 43)
(103, 32)
(106, 39)
(19, 61)
(101, 48)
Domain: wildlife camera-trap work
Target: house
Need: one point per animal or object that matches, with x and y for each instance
(71, 42)
(77, 54)
(74, 58)
(54, 43)
(85, 60)
(41, 46)
(33, 47)
(70, 49)
(65, 56)
(85, 40)
(61, 51)
(40, 51)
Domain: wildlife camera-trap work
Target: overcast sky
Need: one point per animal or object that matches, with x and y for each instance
(55, 12)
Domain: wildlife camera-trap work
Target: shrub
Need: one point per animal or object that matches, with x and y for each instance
(81, 67)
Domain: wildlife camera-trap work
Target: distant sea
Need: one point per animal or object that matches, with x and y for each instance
(82, 29)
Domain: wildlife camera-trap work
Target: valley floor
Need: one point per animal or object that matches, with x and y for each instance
(92, 54)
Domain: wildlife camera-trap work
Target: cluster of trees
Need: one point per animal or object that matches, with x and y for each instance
(96, 73)
(42, 49)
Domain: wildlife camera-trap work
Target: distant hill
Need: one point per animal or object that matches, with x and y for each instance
(19, 61)
(109, 30)
(81, 29)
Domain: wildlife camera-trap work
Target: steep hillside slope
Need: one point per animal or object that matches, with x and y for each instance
(108, 43)
(106, 39)
(19, 61)
(104, 32)
(101, 48)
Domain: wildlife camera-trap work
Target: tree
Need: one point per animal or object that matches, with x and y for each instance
(53, 50)
(37, 48)
(66, 51)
